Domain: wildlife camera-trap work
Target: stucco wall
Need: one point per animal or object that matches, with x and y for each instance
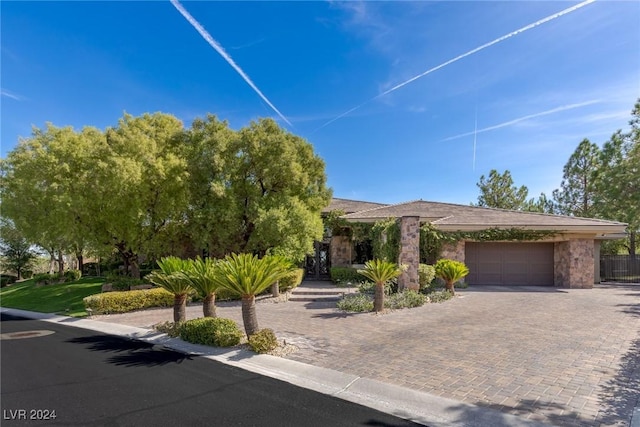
(574, 264)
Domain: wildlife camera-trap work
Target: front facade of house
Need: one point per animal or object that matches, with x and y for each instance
(566, 258)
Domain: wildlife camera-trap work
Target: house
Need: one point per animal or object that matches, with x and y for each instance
(565, 257)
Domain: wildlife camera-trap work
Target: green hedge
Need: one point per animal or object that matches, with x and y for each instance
(123, 302)
(345, 274)
(292, 280)
(214, 331)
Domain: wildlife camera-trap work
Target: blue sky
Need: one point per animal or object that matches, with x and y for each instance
(524, 100)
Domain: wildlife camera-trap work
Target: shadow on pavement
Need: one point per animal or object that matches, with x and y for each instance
(621, 394)
(549, 413)
(335, 315)
(383, 424)
(134, 353)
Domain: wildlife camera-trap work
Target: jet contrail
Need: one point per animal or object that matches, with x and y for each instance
(464, 55)
(214, 44)
(521, 119)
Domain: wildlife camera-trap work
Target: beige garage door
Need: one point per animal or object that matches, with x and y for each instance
(509, 263)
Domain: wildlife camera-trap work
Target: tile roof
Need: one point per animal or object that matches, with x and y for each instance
(350, 206)
(449, 216)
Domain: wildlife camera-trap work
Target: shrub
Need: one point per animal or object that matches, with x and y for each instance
(6, 280)
(170, 328)
(72, 275)
(406, 299)
(356, 303)
(122, 302)
(451, 271)
(263, 341)
(440, 296)
(343, 275)
(292, 280)
(370, 287)
(124, 283)
(426, 274)
(46, 278)
(213, 331)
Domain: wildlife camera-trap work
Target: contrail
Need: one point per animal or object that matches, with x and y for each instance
(9, 94)
(214, 44)
(521, 119)
(464, 55)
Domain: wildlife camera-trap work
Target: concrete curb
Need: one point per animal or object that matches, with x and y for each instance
(417, 406)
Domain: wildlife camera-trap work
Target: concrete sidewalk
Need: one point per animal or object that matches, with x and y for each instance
(413, 405)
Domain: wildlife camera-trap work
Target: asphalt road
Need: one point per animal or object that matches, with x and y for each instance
(85, 378)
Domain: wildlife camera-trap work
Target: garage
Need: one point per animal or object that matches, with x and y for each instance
(509, 263)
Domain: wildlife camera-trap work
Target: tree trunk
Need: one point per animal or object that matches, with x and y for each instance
(275, 289)
(378, 298)
(80, 261)
(135, 268)
(451, 287)
(249, 317)
(130, 260)
(60, 262)
(19, 273)
(52, 261)
(179, 308)
(209, 305)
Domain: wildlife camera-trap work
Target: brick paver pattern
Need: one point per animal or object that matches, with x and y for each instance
(569, 357)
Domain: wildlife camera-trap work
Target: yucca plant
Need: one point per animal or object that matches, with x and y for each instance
(201, 276)
(450, 271)
(172, 278)
(380, 272)
(247, 275)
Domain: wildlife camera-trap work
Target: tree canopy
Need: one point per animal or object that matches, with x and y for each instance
(499, 191)
(597, 183)
(149, 186)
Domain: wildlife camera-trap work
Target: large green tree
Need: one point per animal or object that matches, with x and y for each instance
(44, 189)
(139, 195)
(499, 191)
(578, 191)
(618, 179)
(17, 252)
(258, 190)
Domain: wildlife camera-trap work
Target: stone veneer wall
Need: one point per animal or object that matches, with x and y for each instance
(341, 251)
(574, 264)
(409, 252)
(454, 251)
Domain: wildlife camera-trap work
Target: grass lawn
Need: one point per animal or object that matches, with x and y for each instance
(63, 298)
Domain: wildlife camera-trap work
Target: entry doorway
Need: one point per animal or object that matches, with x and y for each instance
(317, 265)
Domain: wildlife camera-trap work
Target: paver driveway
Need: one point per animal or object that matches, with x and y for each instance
(563, 356)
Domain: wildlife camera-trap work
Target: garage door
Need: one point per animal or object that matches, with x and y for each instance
(509, 263)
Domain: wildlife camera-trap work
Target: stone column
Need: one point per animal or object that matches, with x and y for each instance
(409, 252)
(341, 251)
(574, 264)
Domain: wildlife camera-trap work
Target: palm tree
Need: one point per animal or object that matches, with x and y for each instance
(380, 272)
(247, 275)
(450, 271)
(172, 278)
(201, 277)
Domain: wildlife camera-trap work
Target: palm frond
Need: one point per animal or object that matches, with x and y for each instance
(380, 271)
(246, 274)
